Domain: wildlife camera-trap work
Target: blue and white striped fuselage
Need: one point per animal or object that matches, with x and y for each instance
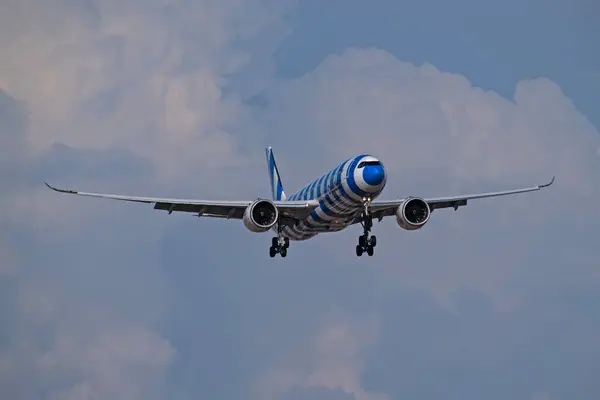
(340, 194)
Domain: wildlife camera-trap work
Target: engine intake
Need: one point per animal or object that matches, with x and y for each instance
(413, 214)
(260, 216)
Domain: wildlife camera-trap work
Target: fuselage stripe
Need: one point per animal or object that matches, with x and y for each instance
(318, 187)
(311, 188)
(331, 179)
(316, 217)
(348, 200)
(352, 181)
(324, 185)
(327, 211)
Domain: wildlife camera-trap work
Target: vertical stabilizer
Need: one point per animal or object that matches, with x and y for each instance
(277, 192)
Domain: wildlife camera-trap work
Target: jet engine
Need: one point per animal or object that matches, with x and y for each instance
(413, 214)
(260, 216)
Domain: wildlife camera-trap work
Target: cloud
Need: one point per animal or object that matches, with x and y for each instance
(112, 363)
(143, 75)
(13, 129)
(332, 364)
(12, 150)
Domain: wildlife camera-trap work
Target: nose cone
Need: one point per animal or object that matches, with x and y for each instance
(374, 175)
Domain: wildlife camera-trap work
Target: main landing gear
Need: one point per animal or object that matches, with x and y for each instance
(366, 243)
(279, 245)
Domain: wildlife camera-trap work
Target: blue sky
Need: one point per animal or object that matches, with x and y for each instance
(103, 300)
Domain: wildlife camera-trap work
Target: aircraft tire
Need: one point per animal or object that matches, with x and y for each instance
(359, 250)
(362, 242)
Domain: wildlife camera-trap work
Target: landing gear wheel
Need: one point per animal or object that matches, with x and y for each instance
(370, 250)
(359, 250)
(362, 241)
(279, 245)
(373, 241)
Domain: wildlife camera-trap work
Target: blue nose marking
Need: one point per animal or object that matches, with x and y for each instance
(373, 174)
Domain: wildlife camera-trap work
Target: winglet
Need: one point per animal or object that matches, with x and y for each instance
(547, 184)
(60, 190)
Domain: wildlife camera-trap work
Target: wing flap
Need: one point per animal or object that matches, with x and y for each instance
(434, 205)
(206, 210)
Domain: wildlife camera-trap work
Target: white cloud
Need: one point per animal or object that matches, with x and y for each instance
(126, 363)
(122, 363)
(334, 359)
(143, 75)
(67, 345)
(338, 363)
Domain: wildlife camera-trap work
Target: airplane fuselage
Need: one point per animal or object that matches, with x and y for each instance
(341, 194)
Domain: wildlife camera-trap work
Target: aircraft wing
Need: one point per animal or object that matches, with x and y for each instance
(380, 209)
(205, 208)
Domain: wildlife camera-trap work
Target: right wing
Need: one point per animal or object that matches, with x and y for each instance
(206, 208)
(380, 209)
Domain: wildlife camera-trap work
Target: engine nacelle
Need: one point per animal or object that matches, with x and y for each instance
(413, 214)
(260, 216)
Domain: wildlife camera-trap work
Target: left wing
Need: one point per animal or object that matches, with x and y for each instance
(380, 209)
(206, 208)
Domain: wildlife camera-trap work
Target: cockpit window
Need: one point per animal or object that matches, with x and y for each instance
(364, 163)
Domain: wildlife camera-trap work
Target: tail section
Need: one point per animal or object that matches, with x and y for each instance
(277, 192)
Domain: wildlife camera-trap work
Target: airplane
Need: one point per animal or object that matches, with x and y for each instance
(345, 196)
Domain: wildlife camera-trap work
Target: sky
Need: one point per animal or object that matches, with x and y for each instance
(105, 300)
